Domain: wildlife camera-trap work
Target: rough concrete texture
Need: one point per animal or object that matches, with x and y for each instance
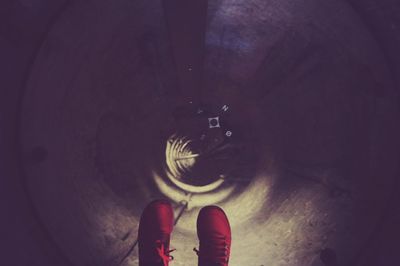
(311, 87)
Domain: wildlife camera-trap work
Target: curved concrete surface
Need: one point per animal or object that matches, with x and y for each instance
(307, 90)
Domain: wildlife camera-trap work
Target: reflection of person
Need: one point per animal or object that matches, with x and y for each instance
(156, 225)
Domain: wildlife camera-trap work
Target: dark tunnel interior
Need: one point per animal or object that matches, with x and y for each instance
(284, 113)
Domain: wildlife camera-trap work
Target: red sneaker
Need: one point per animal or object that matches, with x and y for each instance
(155, 228)
(214, 233)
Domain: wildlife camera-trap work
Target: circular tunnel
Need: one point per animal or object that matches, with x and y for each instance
(294, 135)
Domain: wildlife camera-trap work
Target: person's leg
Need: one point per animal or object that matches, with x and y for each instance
(214, 233)
(155, 228)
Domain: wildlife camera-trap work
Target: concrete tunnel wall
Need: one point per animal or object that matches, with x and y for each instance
(26, 241)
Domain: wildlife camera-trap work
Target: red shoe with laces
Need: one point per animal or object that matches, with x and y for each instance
(214, 233)
(155, 228)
